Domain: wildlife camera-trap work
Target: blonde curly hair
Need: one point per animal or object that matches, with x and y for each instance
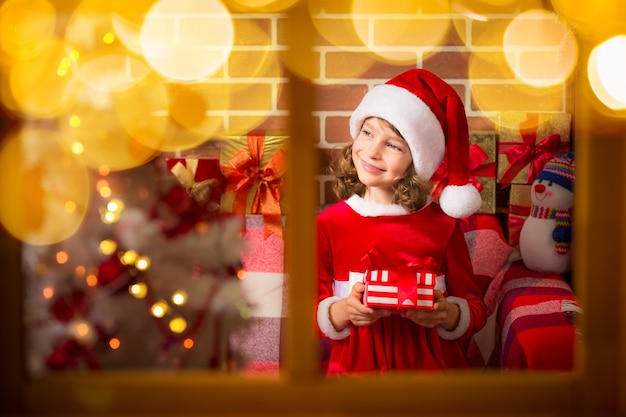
(411, 191)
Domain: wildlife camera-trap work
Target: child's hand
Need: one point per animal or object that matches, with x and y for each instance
(443, 314)
(352, 310)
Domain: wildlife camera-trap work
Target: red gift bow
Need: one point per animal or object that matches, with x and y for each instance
(244, 171)
(404, 275)
(477, 169)
(515, 223)
(529, 152)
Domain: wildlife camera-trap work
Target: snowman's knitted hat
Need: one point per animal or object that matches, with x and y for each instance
(560, 170)
(430, 116)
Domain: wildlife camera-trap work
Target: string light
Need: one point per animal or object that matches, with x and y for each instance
(107, 246)
(142, 263)
(129, 257)
(114, 343)
(178, 324)
(179, 297)
(159, 309)
(138, 290)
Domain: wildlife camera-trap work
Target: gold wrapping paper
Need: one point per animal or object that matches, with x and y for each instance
(233, 147)
(526, 141)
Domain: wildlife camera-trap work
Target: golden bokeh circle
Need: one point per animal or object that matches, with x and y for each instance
(45, 189)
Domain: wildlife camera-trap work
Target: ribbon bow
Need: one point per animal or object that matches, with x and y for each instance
(476, 167)
(245, 171)
(201, 191)
(529, 152)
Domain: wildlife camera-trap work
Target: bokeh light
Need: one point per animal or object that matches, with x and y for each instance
(606, 69)
(44, 85)
(187, 40)
(25, 25)
(138, 290)
(540, 48)
(592, 20)
(406, 26)
(100, 134)
(179, 297)
(159, 309)
(178, 325)
(38, 176)
(260, 6)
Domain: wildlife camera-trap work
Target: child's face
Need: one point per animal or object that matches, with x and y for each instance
(380, 155)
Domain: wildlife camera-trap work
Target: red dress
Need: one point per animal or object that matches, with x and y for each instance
(350, 229)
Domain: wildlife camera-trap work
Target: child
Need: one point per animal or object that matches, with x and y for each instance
(401, 131)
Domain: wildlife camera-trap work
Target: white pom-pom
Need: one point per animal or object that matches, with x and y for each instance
(460, 201)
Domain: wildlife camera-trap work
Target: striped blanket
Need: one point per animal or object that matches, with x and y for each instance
(531, 322)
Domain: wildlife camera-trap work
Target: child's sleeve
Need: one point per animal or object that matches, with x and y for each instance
(462, 288)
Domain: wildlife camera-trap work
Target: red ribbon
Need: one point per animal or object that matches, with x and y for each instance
(245, 170)
(529, 152)
(517, 217)
(477, 169)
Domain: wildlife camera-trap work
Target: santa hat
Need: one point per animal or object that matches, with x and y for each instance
(560, 170)
(430, 116)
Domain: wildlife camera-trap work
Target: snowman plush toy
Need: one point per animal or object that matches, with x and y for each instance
(546, 234)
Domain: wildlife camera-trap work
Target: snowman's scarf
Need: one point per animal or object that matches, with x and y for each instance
(562, 219)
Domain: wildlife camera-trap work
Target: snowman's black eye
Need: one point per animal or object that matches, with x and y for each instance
(549, 183)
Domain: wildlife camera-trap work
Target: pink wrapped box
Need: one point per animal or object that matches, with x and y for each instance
(404, 289)
(265, 253)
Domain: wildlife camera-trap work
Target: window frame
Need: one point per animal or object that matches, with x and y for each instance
(599, 279)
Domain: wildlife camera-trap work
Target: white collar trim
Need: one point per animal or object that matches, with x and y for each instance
(372, 209)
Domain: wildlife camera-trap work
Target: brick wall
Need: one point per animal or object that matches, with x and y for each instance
(357, 45)
(466, 52)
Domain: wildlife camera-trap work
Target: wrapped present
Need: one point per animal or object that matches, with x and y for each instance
(264, 254)
(519, 204)
(404, 288)
(201, 177)
(407, 287)
(482, 166)
(253, 167)
(526, 141)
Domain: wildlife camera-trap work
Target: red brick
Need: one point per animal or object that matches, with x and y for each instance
(448, 64)
(252, 32)
(489, 32)
(410, 32)
(338, 129)
(248, 64)
(339, 97)
(489, 65)
(360, 65)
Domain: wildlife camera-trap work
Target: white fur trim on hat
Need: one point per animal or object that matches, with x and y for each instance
(412, 117)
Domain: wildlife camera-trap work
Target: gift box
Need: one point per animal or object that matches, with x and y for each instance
(201, 177)
(253, 167)
(520, 200)
(404, 288)
(482, 166)
(526, 141)
(263, 254)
